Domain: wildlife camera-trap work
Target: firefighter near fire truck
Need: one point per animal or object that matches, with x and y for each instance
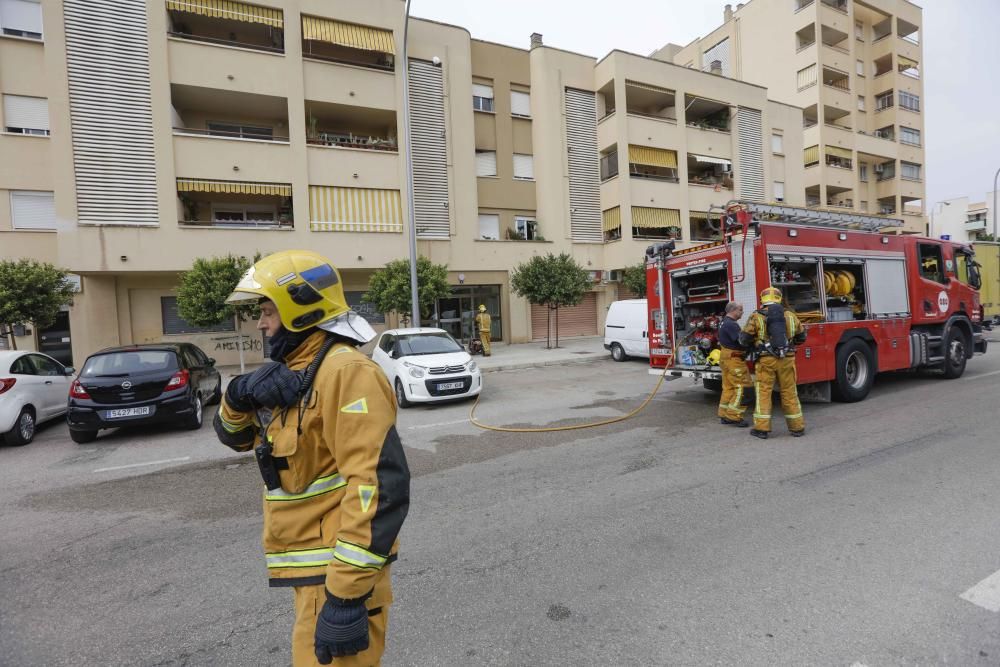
(871, 301)
(770, 335)
(321, 422)
(483, 323)
(731, 359)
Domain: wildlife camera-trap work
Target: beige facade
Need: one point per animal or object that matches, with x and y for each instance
(280, 125)
(855, 69)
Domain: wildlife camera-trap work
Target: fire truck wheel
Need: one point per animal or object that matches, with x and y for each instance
(855, 372)
(712, 385)
(954, 354)
(618, 352)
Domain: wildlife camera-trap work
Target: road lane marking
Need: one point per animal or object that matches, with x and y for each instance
(460, 421)
(986, 593)
(984, 375)
(147, 463)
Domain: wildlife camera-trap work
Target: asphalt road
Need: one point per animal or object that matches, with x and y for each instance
(663, 540)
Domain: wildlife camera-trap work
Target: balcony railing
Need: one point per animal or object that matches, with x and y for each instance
(839, 84)
(255, 134)
(227, 42)
(348, 140)
(802, 4)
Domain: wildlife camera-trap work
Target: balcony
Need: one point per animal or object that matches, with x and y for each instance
(207, 112)
(609, 164)
(648, 101)
(337, 83)
(885, 171)
(887, 205)
(236, 24)
(606, 104)
(196, 64)
(656, 164)
(805, 37)
(704, 227)
(706, 114)
(348, 43)
(908, 32)
(707, 171)
(837, 79)
(838, 5)
(839, 197)
(837, 118)
(234, 204)
(340, 126)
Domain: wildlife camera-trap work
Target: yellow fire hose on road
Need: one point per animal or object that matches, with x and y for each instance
(573, 427)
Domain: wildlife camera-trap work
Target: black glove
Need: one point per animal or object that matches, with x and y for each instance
(271, 386)
(341, 630)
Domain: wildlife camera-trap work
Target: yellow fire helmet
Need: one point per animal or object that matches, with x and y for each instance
(770, 295)
(714, 357)
(482, 308)
(304, 286)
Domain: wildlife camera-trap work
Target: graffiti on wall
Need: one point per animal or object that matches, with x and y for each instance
(232, 344)
(365, 310)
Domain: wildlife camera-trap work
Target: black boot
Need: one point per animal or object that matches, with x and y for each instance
(759, 434)
(742, 423)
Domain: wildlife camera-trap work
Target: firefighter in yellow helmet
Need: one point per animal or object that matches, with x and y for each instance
(771, 335)
(483, 325)
(322, 424)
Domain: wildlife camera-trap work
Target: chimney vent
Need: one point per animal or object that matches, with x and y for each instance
(728, 14)
(536, 39)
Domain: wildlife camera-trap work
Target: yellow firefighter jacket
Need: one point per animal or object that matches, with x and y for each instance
(345, 491)
(483, 322)
(756, 329)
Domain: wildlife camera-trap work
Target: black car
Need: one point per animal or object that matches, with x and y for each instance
(142, 384)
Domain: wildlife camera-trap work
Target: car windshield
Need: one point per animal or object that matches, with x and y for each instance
(433, 343)
(121, 364)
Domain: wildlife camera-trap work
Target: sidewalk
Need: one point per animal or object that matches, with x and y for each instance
(508, 357)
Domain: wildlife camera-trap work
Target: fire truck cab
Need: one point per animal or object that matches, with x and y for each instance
(871, 301)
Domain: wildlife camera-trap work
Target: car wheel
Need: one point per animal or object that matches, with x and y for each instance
(618, 352)
(954, 354)
(82, 437)
(194, 421)
(216, 396)
(24, 429)
(401, 399)
(855, 372)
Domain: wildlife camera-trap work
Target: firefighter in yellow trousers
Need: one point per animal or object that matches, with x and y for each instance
(735, 374)
(483, 324)
(771, 334)
(322, 423)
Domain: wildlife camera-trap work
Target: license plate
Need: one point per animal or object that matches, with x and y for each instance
(126, 413)
(445, 386)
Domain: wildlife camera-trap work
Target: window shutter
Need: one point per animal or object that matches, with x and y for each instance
(33, 210)
(524, 166)
(779, 191)
(24, 15)
(26, 112)
(520, 103)
(479, 90)
(777, 143)
(429, 143)
(751, 178)
(583, 166)
(489, 227)
(486, 163)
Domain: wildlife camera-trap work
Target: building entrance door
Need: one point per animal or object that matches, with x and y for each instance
(456, 313)
(55, 340)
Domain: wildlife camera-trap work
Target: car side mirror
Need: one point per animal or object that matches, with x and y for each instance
(69, 370)
(211, 361)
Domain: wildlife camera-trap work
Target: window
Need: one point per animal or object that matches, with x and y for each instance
(609, 165)
(967, 270)
(482, 97)
(859, 30)
(174, 324)
(861, 68)
(931, 266)
(910, 171)
(777, 144)
(33, 210)
(489, 227)
(907, 135)
(779, 191)
(238, 131)
(863, 172)
(21, 18)
(486, 163)
(861, 102)
(520, 104)
(526, 228)
(26, 115)
(238, 214)
(387, 343)
(524, 167)
(23, 366)
(909, 101)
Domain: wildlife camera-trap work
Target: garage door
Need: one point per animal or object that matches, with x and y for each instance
(578, 320)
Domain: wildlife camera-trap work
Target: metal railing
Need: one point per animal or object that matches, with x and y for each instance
(242, 133)
(350, 140)
(227, 42)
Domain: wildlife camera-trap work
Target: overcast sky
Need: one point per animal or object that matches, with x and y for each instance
(961, 58)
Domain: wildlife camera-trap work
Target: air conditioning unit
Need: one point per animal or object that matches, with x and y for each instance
(613, 276)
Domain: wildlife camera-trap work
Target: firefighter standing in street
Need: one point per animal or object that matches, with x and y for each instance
(483, 324)
(336, 477)
(771, 334)
(735, 374)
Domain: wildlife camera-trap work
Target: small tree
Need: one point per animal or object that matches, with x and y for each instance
(202, 294)
(31, 293)
(552, 281)
(634, 279)
(389, 287)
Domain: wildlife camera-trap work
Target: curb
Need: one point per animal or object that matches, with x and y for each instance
(537, 364)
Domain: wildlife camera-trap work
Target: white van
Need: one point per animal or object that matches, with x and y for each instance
(626, 328)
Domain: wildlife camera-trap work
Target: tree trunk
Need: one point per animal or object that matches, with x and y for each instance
(548, 327)
(239, 343)
(557, 327)
(13, 340)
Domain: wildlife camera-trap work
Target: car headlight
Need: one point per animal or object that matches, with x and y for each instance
(471, 367)
(415, 371)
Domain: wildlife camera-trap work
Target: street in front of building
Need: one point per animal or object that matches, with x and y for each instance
(664, 539)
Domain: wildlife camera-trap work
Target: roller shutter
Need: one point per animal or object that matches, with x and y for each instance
(584, 166)
(430, 153)
(751, 149)
(578, 320)
(29, 113)
(107, 61)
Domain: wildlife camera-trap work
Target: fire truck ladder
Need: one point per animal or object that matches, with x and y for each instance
(792, 215)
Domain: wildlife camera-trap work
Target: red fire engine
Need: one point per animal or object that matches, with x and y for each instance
(872, 302)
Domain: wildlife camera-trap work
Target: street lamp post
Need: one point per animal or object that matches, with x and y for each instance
(995, 176)
(414, 296)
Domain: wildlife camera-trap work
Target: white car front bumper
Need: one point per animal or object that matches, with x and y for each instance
(427, 389)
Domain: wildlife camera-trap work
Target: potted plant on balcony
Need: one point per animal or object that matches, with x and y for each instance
(285, 211)
(190, 208)
(673, 232)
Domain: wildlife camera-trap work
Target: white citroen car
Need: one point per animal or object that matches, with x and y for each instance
(33, 388)
(426, 365)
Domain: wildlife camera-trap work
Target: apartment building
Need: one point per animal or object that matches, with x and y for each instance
(853, 66)
(961, 219)
(140, 135)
